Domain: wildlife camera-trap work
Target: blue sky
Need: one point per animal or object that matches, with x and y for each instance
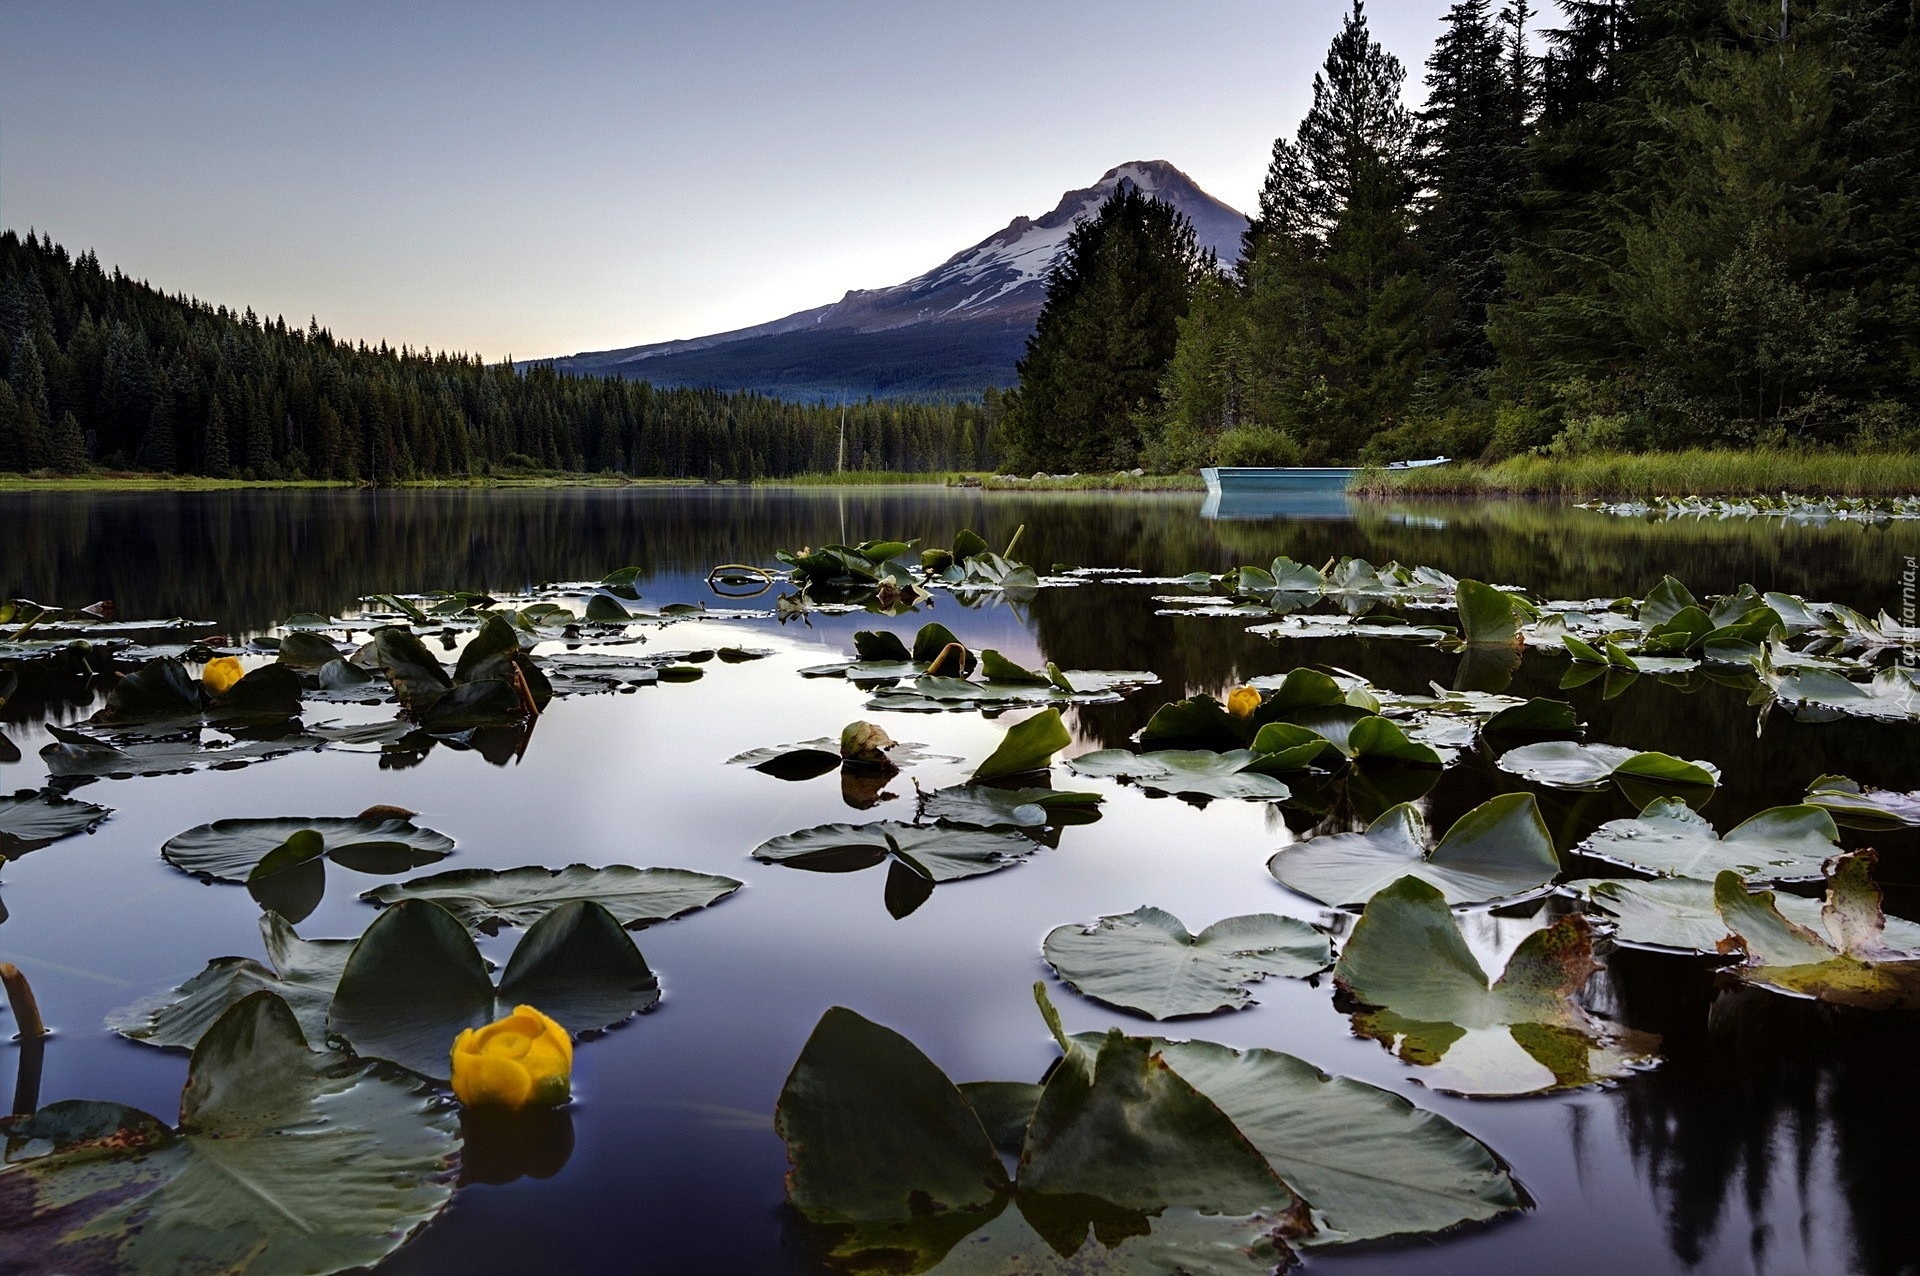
(543, 179)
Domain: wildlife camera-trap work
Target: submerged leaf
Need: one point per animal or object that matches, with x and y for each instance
(1857, 968)
(1678, 914)
(1148, 962)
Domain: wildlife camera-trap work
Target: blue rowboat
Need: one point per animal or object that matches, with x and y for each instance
(1228, 480)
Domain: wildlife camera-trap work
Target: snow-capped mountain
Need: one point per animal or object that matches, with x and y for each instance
(956, 329)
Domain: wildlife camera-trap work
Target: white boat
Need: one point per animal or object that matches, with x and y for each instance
(1230, 479)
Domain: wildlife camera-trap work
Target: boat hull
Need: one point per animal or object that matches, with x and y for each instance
(1231, 479)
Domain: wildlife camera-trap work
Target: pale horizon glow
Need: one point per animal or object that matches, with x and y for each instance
(522, 181)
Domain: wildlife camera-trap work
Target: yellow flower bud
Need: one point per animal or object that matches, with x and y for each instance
(1242, 701)
(522, 1061)
(221, 673)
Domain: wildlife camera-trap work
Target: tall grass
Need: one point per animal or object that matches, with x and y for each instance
(1698, 472)
(1116, 482)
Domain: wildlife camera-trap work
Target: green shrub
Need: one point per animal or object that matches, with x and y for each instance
(1255, 445)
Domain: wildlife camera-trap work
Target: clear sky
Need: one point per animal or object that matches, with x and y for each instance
(538, 179)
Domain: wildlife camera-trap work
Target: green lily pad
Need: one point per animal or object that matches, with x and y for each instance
(303, 973)
(1784, 844)
(1678, 914)
(1892, 693)
(286, 1159)
(884, 1149)
(1430, 1002)
(1201, 722)
(1488, 616)
(74, 754)
(938, 854)
(1317, 625)
(1029, 745)
(30, 820)
(1499, 849)
(1188, 772)
(415, 980)
(249, 850)
(1859, 807)
(990, 807)
(1370, 1163)
(488, 899)
(1564, 764)
(1147, 961)
(1858, 967)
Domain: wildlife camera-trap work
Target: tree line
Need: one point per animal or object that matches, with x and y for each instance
(101, 371)
(1660, 223)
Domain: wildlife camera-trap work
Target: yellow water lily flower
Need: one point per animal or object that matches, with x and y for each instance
(522, 1061)
(221, 673)
(1242, 701)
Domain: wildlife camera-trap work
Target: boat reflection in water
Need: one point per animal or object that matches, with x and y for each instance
(1300, 503)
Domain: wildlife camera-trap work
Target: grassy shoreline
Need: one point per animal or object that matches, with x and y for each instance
(1698, 472)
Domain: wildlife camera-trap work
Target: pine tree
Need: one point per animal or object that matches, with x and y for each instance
(1104, 337)
(1471, 135)
(159, 449)
(213, 451)
(29, 383)
(70, 446)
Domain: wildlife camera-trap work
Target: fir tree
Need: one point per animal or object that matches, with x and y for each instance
(1104, 337)
(213, 451)
(70, 446)
(159, 449)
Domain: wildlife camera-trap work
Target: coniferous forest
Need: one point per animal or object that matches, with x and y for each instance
(102, 371)
(1656, 224)
(1621, 225)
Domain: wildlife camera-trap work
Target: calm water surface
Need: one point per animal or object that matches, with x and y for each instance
(1776, 1137)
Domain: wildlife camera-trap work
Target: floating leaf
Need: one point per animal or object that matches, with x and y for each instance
(415, 980)
(487, 899)
(989, 806)
(286, 1159)
(1433, 1006)
(1563, 764)
(1859, 807)
(1487, 615)
(303, 973)
(1821, 694)
(884, 1149)
(932, 852)
(1370, 1163)
(1028, 746)
(74, 754)
(1784, 844)
(238, 850)
(1146, 960)
(1188, 772)
(1499, 849)
(1858, 968)
(30, 820)
(1678, 914)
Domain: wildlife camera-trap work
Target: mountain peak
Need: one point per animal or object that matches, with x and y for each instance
(993, 290)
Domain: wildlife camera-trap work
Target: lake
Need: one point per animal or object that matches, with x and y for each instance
(1774, 1135)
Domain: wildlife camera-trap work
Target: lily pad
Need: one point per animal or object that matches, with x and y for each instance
(74, 754)
(286, 1159)
(1499, 849)
(1187, 772)
(988, 806)
(302, 972)
(1678, 914)
(1029, 745)
(1369, 1162)
(1784, 844)
(1564, 764)
(415, 980)
(1822, 695)
(1430, 1002)
(248, 850)
(1858, 967)
(1859, 807)
(488, 899)
(938, 854)
(1147, 961)
(30, 820)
